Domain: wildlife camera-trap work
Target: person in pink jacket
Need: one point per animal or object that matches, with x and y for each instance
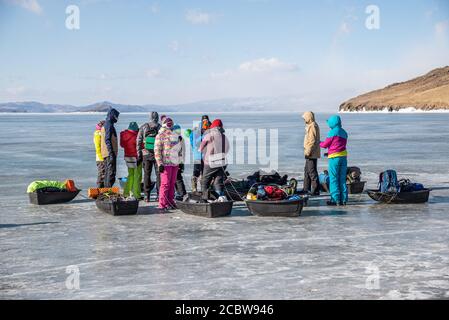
(167, 154)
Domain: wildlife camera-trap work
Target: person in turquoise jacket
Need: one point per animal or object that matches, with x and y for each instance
(198, 164)
(336, 144)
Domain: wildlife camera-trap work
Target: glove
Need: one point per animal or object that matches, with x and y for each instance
(181, 167)
(139, 158)
(161, 168)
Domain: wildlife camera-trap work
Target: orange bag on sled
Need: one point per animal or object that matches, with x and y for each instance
(93, 193)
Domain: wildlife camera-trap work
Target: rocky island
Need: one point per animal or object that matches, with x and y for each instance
(429, 92)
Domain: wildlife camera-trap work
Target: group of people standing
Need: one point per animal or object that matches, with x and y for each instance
(335, 142)
(158, 146)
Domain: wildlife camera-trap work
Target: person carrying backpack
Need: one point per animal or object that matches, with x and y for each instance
(128, 141)
(336, 144)
(312, 154)
(145, 153)
(215, 146)
(109, 147)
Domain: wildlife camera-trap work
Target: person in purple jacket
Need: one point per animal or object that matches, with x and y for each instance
(336, 144)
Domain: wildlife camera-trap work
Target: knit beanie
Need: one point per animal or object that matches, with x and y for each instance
(133, 126)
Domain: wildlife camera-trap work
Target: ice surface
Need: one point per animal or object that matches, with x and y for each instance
(326, 253)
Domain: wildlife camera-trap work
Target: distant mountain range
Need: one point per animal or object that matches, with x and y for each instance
(429, 92)
(226, 105)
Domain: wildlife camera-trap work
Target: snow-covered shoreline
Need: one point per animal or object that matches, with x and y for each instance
(404, 110)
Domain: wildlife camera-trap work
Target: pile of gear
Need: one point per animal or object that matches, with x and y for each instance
(113, 196)
(272, 187)
(388, 182)
(51, 186)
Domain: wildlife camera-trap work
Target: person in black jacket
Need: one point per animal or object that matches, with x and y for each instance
(145, 153)
(109, 147)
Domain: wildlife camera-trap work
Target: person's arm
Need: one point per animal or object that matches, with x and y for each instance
(226, 144)
(183, 151)
(97, 142)
(204, 143)
(108, 138)
(310, 141)
(327, 143)
(122, 143)
(158, 150)
(139, 141)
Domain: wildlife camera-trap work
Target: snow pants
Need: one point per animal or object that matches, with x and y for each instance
(337, 176)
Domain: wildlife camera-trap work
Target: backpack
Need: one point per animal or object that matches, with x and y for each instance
(388, 181)
(150, 138)
(405, 185)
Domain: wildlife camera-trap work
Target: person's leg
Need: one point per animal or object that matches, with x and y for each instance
(306, 185)
(195, 176)
(180, 186)
(219, 181)
(110, 172)
(158, 177)
(113, 170)
(313, 175)
(173, 175)
(137, 192)
(208, 175)
(163, 191)
(342, 176)
(101, 174)
(147, 168)
(334, 184)
(129, 182)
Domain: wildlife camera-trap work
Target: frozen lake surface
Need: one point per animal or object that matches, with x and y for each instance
(366, 250)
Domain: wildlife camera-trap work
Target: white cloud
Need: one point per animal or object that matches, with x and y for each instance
(154, 73)
(344, 28)
(197, 16)
(441, 28)
(30, 5)
(154, 8)
(15, 91)
(174, 46)
(268, 65)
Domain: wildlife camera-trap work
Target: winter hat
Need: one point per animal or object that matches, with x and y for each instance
(100, 125)
(177, 129)
(133, 126)
(216, 124)
(187, 133)
(168, 123)
(163, 117)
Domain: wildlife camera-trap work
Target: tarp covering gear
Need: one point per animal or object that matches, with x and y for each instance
(68, 185)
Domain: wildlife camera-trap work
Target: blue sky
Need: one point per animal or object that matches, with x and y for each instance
(166, 52)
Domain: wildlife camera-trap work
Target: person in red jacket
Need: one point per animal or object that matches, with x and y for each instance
(128, 141)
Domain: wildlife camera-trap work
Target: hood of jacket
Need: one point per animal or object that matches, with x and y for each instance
(154, 117)
(112, 116)
(334, 122)
(308, 117)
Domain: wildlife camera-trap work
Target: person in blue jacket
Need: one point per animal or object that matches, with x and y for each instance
(338, 164)
(198, 164)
